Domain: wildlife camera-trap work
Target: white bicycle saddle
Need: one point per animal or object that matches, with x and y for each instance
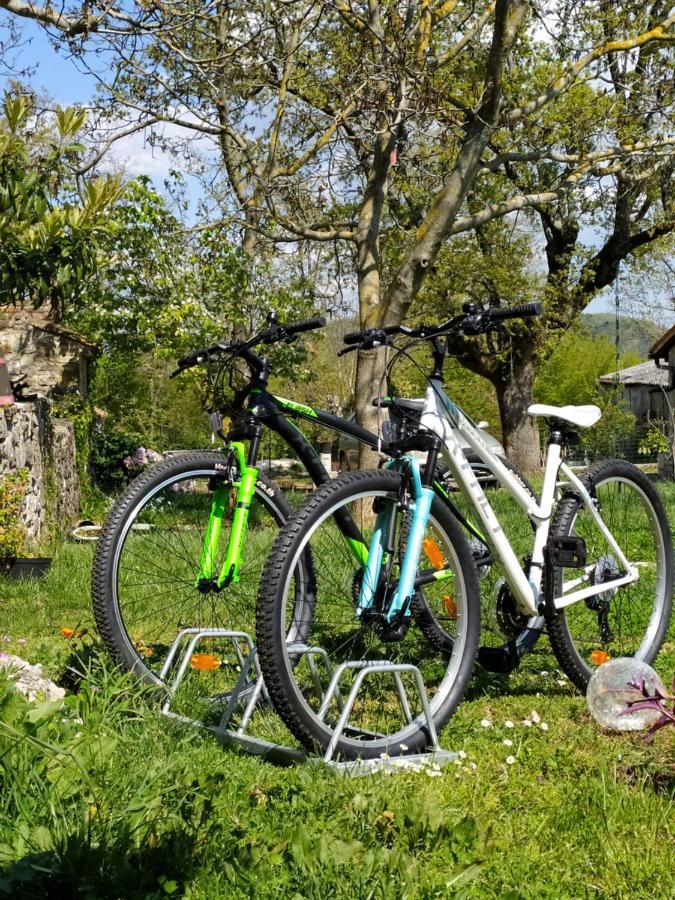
(581, 416)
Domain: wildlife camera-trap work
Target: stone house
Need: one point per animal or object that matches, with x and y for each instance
(52, 361)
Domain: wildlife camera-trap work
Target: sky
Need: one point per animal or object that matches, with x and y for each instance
(58, 75)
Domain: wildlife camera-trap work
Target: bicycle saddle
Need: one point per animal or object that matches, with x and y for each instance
(581, 416)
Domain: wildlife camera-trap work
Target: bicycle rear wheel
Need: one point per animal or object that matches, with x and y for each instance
(626, 621)
(146, 568)
(297, 668)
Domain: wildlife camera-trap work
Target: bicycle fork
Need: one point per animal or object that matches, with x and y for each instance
(229, 572)
(377, 573)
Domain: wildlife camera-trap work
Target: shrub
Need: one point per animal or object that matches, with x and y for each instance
(109, 448)
(611, 434)
(12, 533)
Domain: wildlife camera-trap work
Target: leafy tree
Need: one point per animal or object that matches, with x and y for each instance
(160, 284)
(571, 373)
(51, 226)
(394, 127)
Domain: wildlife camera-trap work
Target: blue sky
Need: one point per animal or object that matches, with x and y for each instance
(54, 72)
(59, 76)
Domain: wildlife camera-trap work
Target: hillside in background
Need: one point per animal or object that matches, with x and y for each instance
(636, 335)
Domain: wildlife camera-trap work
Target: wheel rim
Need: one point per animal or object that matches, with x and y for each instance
(378, 720)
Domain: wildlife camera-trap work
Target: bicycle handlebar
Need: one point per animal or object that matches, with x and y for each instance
(472, 321)
(275, 333)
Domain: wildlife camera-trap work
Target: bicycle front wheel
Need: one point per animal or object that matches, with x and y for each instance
(630, 620)
(388, 716)
(145, 579)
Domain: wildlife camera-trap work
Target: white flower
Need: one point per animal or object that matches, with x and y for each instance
(510, 760)
(432, 773)
(544, 726)
(507, 743)
(508, 724)
(543, 673)
(527, 722)
(561, 682)
(535, 717)
(473, 766)
(486, 723)
(404, 746)
(462, 754)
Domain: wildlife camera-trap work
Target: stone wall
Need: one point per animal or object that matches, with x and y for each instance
(31, 439)
(52, 359)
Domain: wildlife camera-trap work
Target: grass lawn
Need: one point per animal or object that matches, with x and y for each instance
(102, 797)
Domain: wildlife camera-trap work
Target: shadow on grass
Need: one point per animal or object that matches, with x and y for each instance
(107, 871)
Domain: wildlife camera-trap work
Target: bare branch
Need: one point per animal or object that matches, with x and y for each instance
(49, 16)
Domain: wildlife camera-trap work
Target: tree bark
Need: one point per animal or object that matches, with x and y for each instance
(520, 434)
(369, 376)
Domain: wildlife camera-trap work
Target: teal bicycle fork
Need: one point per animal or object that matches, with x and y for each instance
(229, 572)
(382, 550)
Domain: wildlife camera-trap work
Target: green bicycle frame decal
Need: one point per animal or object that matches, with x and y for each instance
(297, 407)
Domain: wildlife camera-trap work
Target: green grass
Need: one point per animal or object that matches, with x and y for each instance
(102, 797)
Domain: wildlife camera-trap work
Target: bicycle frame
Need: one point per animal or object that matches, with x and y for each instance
(276, 414)
(443, 418)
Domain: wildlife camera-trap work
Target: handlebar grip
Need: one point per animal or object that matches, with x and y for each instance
(523, 311)
(190, 359)
(307, 325)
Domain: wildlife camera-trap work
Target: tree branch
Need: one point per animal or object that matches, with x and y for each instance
(607, 48)
(49, 16)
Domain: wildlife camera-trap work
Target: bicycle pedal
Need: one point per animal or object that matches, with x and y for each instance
(567, 552)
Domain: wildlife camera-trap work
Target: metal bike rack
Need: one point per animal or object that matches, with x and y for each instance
(249, 693)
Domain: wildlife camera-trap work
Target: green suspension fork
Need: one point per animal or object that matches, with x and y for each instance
(229, 573)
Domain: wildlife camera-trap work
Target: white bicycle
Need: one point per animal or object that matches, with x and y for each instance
(401, 593)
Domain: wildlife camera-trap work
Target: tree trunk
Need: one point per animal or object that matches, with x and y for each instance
(369, 384)
(520, 434)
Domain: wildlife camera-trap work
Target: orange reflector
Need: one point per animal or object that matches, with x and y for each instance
(205, 662)
(450, 606)
(598, 657)
(434, 553)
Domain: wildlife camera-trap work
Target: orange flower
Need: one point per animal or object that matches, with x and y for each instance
(450, 606)
(67, 632)
(148, 651)
(598, 657)
(205, 662)
(434, 553)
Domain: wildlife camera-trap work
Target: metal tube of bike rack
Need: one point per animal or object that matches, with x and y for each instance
(280, 753)
(366, 667)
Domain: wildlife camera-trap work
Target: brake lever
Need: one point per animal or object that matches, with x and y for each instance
(348, 349)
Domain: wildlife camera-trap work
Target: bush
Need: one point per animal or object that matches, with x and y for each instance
(612, 433)
(12, 533)
(109, 448)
